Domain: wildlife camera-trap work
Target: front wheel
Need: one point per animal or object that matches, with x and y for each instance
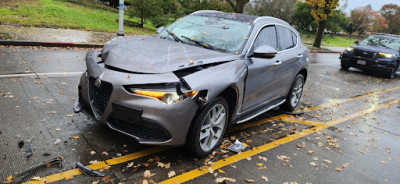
(208, 129)
(344, 65)
(293, 98)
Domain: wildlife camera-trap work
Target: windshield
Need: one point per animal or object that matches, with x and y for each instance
(209, 32)
(382, 42)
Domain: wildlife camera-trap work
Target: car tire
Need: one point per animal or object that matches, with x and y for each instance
(295, 92)
(344, 65)
(205, 133)
(391, 73)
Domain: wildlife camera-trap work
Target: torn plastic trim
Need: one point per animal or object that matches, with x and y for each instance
(195, 68)
(87, 171)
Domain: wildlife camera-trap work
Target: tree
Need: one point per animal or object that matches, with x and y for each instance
(321, 9)
(238, 5)
(361, 18)
(391, 12)
(282, 9)
(145, 9)
(302, 15)
(336, 22)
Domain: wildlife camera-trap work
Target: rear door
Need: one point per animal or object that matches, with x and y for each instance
(289, 55)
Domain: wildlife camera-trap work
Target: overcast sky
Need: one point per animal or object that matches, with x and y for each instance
(376, 4)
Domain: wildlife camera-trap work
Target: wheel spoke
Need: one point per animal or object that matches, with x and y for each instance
(204, 135)
(217, 123)
(210, 139)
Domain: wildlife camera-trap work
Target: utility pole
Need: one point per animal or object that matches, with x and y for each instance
(121, 18)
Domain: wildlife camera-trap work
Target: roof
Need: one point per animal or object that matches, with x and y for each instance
(388, 35)
(232, 16)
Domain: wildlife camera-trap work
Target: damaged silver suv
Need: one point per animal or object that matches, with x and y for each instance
(200, 75)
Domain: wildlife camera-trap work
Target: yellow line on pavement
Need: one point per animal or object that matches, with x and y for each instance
(147, 152)
(235, 158)
(74, 172)
(304, 122)
(347, 100)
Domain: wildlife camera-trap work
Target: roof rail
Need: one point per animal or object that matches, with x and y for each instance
(386, 34)
(207, 11)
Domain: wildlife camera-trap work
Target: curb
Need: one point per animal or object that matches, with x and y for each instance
(325, 51)
(48, 44)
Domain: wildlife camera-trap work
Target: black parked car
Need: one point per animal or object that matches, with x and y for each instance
(379, 52)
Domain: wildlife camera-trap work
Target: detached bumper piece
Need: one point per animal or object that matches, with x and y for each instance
(128, 120)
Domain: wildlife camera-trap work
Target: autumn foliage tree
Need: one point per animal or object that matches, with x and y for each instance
(321, 9)
(391, 12)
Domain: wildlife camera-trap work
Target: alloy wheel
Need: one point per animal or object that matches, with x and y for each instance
(296, 92)
(213, 127)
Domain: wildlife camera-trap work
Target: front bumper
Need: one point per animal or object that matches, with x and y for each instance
(379, 64)
(147, 120)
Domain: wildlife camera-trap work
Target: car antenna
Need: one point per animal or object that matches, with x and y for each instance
(121, 18)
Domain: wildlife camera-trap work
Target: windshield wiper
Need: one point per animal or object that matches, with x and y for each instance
(176, 38)
(203, 44)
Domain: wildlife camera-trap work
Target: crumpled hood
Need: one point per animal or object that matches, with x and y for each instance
(147, 54)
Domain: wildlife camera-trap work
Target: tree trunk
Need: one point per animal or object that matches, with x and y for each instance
(318, 38)
(141, 19)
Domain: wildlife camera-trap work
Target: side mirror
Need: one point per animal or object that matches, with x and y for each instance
(160, 29)
(264, 51)
(356, 42)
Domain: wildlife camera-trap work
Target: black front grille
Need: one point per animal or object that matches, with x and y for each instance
(99, 96)
(148, 131)
(364, 54)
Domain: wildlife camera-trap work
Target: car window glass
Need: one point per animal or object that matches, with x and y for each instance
(285, 38)
(267, 36)
(294, 37)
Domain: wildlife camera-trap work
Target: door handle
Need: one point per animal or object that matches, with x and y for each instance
(300, 55)
(278, 63)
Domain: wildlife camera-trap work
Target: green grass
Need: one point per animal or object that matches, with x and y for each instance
(61, 14)
(328, 40)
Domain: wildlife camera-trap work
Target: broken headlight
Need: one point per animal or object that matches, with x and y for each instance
(166, 97)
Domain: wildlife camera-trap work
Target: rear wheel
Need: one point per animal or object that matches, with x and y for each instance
(344, 65)
(208, 129)
(391, 73)
(293, 98)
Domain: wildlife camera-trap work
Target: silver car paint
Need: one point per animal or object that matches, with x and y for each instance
(231, 71)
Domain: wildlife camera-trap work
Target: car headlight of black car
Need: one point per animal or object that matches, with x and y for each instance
(164, 96)
(349, 49)
(386, 55)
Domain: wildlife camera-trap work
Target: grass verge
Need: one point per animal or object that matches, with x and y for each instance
(62, 14)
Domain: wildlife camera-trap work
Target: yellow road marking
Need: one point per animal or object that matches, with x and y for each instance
(304, 122)
(235, 158)
(346, 100)
(74, 172)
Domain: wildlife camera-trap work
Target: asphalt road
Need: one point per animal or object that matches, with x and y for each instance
(348, 131)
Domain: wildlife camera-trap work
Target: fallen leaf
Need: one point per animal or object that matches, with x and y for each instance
(95, 182)
(58, 129)
(320, 144)
(345, 165)
(259, 164)
(142, 38)
(92, 152)
(210, 170)
(160, 164)
(248, 158)
(190, 61)
(130, 164)
(36, 178)
(53, 112)
(146, 164)
(310, 152)
(249, 180)
(76, 137)
(315, 158)
(68, 177)
(180, 58)
(167, 165)
(171, 173)
(145, 182)
(327, 161)
(236, 52)
(383, 162)
(93, 161)
(313, 164)
(205, 33)
(104, 153)
(9, 179)
(245, 37)
(106, 178)
(338, 169)
(264, 178)
(148, 174)
(70, 115)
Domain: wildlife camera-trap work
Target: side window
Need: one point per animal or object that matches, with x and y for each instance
(286, 40)
(294, 37)
(267, 36)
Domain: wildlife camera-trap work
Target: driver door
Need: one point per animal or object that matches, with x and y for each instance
(261, 82)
